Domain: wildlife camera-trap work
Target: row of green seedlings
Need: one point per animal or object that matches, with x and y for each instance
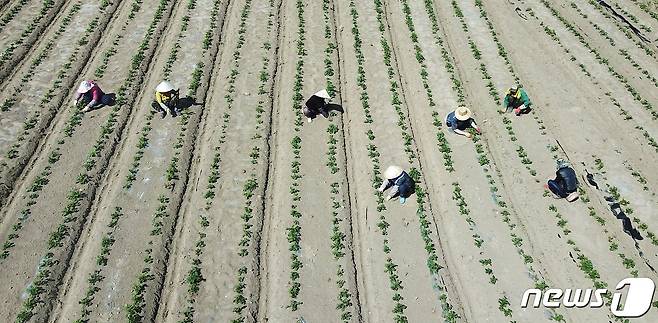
(493, 92)
(584, 198)
(33, 118)
(646, 6)
(345, 305)
(250, 186)
(294, 231)
(594, 25)
(40, 57)
(603, 61)
(632, 17)
(622, 112)
(134, 309)
(629, 35)
(517, 241)
(626, 206)
(373, 154)
(624, 53)
(421, 211)
(444, 147)
(11, 14)
(107, 241)
(41, 180)
(9, 50)
(143, 140)
(551, 148)
(194, 276)
(584, 263)
(70, 213)
(95, 277)
(502, 52)
(627, 262)
(639, 177)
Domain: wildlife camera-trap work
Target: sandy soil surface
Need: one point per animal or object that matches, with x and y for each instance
(238, 209)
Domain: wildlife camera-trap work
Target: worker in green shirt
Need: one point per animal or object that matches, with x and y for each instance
(517, 99)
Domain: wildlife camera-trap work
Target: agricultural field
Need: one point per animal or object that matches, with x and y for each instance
(239, 210)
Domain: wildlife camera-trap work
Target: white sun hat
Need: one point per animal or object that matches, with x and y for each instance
(85, 86)
(463, 113)
(164, 87)
(392, 172)
(323, 94)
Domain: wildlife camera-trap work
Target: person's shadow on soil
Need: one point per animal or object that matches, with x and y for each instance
(334, 107)
(187, 102)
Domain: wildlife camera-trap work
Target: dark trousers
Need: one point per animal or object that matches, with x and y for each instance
(555, 187)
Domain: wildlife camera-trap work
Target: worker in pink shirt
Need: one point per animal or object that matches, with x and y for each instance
(92, 96)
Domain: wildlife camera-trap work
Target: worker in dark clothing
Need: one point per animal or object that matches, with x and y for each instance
(565, 184)
(317, 104)
(402, 183)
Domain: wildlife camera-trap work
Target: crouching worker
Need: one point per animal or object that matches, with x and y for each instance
(565, 184)
(460, 120)
(91, 95)
(317, 104)
(166, 99)
(517, 100)
(403, 184)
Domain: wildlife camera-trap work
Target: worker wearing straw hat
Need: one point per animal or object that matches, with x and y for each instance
(402, 183)
(317, 104)
(92, 96)
(460, 120)
(166, 99)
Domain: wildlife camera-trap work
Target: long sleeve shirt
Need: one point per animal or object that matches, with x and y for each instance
(95, 94)
(516, 100)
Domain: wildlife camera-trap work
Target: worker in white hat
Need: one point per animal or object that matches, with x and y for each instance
(460, 120)
(91, 95)
(402, 183)
(166, 99)
(317, 104)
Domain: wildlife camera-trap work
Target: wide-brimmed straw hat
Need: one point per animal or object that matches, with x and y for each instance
(463, 113)
(85, 86)
(323, 94)
(392, 172)
(164, 87)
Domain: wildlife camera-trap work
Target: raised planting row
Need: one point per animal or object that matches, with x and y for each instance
(493, 92)
(602, 60)
(65, 236)
(293, 232)
(626, 205)
(646, 6)
(623, 113)
(422, 198)
(194, 276)
(54, 155)
(176, 175)
(10, 57)
(624, 53)
(629, 35)
(11, 13)
(40, 57)
(39, 120)
(339, 231)
(373, 153)
(95, 277)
